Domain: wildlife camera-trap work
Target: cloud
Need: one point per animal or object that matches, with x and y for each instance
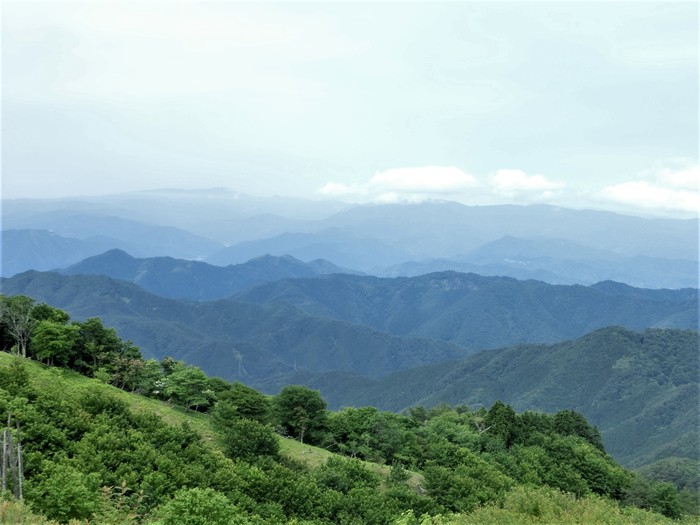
(428, 179)
(519, 186)
(406, 184)
(675, 190)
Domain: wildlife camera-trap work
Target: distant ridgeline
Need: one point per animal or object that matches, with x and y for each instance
(99, 453)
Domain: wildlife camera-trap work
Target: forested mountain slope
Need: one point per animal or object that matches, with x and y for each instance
(231, 339)
(639, 388)
(185, 279)
(481, 312)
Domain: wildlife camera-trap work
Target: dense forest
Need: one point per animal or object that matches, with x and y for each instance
(111, 437)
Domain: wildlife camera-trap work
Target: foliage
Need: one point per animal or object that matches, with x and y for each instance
(241, 401)
(188, 386)
(199, 507)
(248, 439)
(343, 475)
(301, 412)
(62, 492)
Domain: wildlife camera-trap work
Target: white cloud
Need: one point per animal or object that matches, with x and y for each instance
(687, 178)
(674, 190)
(518, 185)
(427, 179)
(407, 185)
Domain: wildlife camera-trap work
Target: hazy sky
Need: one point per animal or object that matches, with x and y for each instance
(577, 104)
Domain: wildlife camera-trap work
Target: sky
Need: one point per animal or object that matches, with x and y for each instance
(577, 104)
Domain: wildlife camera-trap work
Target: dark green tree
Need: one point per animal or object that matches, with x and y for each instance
(502, 422)
(247, 402)
(248, 440)
(199, 506)
(571, 423)
(301, 412)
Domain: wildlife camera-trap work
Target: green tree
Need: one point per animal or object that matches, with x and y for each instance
(99, 346)
(246, 402)
(502, 422)
(188, 386)
(16, 312)
(301, 412)
(44, 312)
(199, 506)
(248, 439)
(571, 423)
(343, 475)
(55, 343)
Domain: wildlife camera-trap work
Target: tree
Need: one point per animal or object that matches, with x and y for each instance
(99, 346)
(301, 412)
(62, 493)
(571, 423)
(248, 440)
(17, 318)
(502, 422)
(55, 343)
(247, 402)
(44, 312)
(188, 386)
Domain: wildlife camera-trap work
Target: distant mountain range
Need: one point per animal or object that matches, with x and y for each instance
(558, 261)
(55, 242)
(553, 244)
(481, 312)
(183, 279)
(358, 324)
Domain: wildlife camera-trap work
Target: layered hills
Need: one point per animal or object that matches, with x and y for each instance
(394, 343)
(639, 388)
(186, 279)
(481, 312)
(557, 245)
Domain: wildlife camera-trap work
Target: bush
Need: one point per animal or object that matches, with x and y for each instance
(248, 440)
(199, 507)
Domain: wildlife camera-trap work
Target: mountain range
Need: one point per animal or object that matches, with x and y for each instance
(186, 279)
(557, 245)
(481, 312)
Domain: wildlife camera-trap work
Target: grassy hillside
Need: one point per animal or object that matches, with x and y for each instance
(74, 384)
(81, 437)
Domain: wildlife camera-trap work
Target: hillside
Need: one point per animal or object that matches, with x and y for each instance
(639, 388)
(199, 281)
(231, 339)
(99, 454)
(481, 312)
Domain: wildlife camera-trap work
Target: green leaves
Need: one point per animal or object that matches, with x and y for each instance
(301, 412)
